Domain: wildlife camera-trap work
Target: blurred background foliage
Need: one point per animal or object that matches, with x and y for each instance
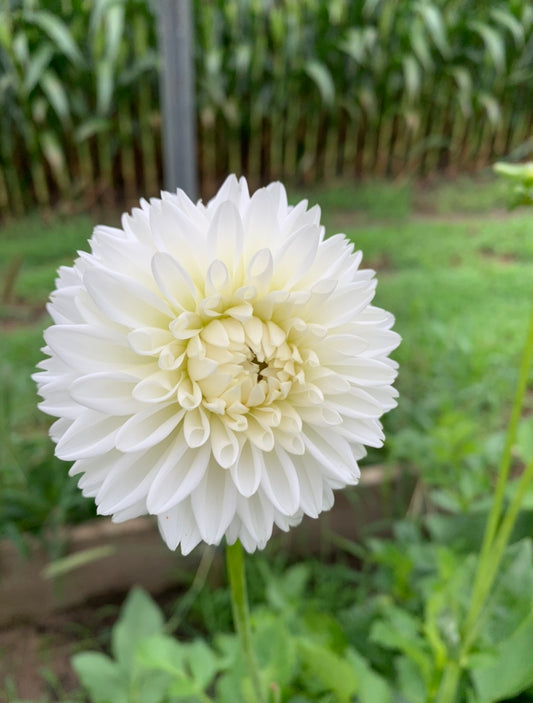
(295, 89)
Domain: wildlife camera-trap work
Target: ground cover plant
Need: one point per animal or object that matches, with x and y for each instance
(457, 288)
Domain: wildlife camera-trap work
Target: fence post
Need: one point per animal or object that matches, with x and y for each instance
(176, 44)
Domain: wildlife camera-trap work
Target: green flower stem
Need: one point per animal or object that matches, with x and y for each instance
(498, 550)
(488, 560)
(241, 613)
(497, 533)
(447, 692)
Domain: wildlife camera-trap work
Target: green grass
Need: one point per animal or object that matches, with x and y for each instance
(459, 286)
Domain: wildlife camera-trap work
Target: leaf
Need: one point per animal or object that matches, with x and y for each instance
(39, 61)
(275, 648)
(321, 76)
(401, 631)
(92, 126)
(511, 669)
(58, 32)
(55, 93)
(492, 107)
(519, 172)
(162, 653)
(104, 86)
(102, 678)
(140, 617)
(54, 155)
(334, 673)
(202, 662)
(371, 687)
(412, 77)
(493, 43)
(435, 26)
(509, 21)
(114, 26)
(76, 560)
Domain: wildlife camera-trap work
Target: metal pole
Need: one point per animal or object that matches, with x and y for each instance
(177, 96)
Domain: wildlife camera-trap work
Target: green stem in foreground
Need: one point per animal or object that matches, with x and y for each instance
(497, 532)
(241, 613)
(488, 560)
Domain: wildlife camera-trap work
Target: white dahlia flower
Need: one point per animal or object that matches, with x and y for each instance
(219, 366)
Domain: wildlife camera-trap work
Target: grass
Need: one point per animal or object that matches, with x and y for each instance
(459, 285)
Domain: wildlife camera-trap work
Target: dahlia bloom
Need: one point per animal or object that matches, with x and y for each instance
(219, 366)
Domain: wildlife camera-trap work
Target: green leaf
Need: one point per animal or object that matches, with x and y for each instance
(58, 32)
(321, 76)
(511, 669)
(492, 107)
(506, 19)
(140, 617)
(54, 155)
(39, 61)
(102, 677)
(55, 93)
(332, 672)
(203, 663)
(371, 687)
(92, 126)
(435, 26)
(163, 653)
(412, 76)
(114, 26)
(400, 630)
(494, 43)
(275, 648)
(104, 86)
(76, 560)
(518, 172)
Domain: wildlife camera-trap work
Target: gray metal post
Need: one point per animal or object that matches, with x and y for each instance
(176, 44)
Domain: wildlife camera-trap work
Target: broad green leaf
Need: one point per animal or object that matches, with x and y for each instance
(140, 617)
(492, 107)
(104, 86)
(288, 588)
(202, 662)
(102, 677)
(399, 630)
(518, 172)
(92, 126)
(354, 44)
(371, 687)
(494, 43)
(506, 19)
(275, 648)
(420, 46)
(163, 653)
(58, 32)
(114, 26)
(412, 76)
(37, 65)
(321, 76)
(56, 95)
(511, 670)
(54, 155)
(412, 685)
(435, 26)
(333, 673)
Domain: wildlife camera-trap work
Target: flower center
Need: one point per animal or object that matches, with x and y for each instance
(234, 367)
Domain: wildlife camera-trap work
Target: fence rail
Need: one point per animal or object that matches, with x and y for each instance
(302, 90)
